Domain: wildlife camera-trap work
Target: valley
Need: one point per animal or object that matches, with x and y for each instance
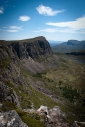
(32, 75)
(66, 84)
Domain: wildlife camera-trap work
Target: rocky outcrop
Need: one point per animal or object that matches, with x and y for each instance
(27, 51)
(54, 117)
(11, 119)
(25, 48)
(32, 47)
(8, 94)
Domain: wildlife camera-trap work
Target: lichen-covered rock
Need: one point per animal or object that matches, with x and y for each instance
(11, 119)
(54, 117)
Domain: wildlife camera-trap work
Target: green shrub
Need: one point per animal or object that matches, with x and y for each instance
(39, 75)
(4, 63)
(70, 93)
(8, 106)
(30, 121)
(34, 115)
(8, 83)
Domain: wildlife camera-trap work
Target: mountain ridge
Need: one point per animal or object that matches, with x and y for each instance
(16, 55)
(69, 46)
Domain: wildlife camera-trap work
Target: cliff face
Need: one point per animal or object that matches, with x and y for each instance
(28, 51)
(32, 47)
(14, 54)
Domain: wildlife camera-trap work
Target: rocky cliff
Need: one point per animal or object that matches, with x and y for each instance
(12, 54)
(31, 47)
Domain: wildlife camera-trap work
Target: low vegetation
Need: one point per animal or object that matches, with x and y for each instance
(31, 119)
(67, 81)
(4, 63)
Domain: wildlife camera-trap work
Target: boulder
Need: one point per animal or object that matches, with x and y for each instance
(11, 119)
(54, 117)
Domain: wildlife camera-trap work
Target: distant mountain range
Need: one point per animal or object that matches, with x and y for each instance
(54, 43)
(69, 46)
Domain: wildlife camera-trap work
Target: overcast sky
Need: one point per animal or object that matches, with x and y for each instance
(58, 20)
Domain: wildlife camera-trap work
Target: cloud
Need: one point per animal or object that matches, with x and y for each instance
(60, 30)
(24, 18)
(78, 24)
(47, 11)
(14, 29)
(1, 10)
(51, 30)
(48, 30)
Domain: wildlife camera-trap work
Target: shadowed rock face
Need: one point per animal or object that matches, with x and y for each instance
(31, 47)
(27, 51)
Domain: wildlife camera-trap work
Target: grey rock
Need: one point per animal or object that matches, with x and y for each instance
(11, 119)
(7, 95)
(15, 99)
(54, 117)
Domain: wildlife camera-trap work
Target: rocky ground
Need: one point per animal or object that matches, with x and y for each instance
(50, 117)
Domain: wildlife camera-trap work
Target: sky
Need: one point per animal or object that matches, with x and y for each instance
(57, 20)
